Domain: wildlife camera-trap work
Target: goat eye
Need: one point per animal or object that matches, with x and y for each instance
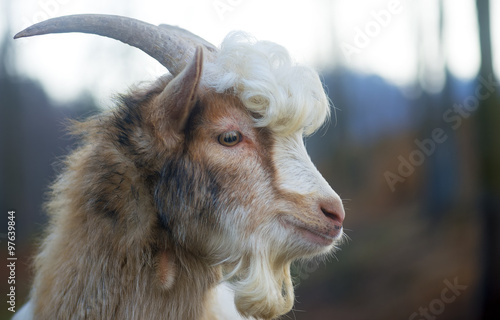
(230, 138)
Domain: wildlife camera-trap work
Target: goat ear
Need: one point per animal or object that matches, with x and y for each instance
(174, 104)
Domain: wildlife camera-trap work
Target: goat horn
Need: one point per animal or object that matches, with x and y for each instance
(172, 46)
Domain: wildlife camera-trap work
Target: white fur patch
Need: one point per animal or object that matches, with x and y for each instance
(224, 306)
(296, 172)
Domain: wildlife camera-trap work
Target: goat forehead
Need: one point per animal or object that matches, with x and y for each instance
(223, 109)
(285, 96)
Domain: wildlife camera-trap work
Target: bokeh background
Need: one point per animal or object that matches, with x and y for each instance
(413, 148)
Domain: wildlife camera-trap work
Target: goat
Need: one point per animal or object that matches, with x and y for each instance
(198, 179)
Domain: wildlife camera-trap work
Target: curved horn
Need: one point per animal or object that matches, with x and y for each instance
(173, 47)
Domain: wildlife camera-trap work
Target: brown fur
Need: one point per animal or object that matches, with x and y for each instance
(110, 252)
(106, 254)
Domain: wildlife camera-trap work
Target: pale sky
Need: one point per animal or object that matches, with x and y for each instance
(376, 36)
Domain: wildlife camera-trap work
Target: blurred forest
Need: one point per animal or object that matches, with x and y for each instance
(419, 172)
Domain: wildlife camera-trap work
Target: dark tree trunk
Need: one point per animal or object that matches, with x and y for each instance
(488, 125)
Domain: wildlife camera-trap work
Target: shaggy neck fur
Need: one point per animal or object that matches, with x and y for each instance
(107, 254)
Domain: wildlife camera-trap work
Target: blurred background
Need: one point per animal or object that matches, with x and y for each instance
(413, 148)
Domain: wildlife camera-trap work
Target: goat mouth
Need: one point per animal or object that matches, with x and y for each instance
(313, 235)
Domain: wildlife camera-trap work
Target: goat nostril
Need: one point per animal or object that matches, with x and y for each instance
(334, 212)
